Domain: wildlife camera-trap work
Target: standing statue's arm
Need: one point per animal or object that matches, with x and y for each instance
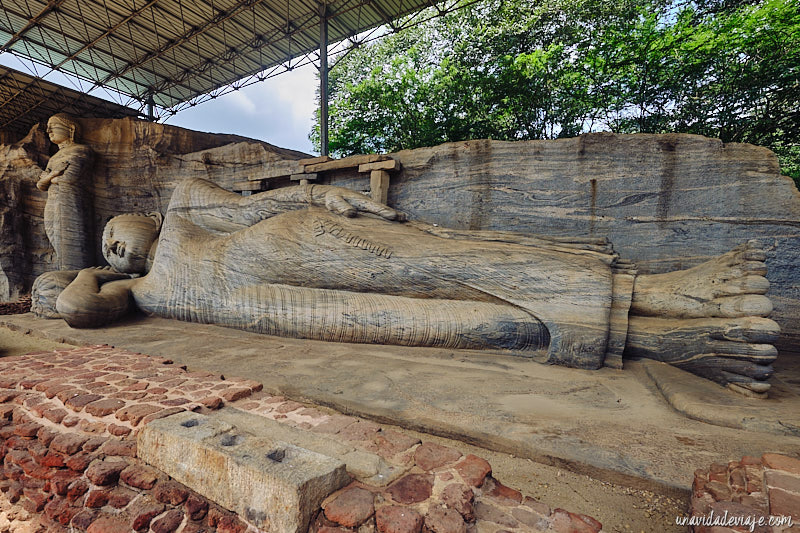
(96, 297)
(215, 209)
(50, 174)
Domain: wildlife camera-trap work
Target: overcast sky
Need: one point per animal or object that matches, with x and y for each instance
(278, 110)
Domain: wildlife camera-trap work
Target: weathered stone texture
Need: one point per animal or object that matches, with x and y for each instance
(667, 202)
(137, 166)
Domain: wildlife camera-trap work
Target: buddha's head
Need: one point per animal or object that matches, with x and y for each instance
(129, 241)
(62, 128)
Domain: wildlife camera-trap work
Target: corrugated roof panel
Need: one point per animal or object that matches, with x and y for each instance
(181, 47)
(26, 100)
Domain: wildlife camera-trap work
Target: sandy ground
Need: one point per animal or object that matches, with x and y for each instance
(620, 509)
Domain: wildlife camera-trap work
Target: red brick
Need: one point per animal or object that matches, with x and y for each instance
(393, 519)
(142, 512)
(460, 497)
(439, 520)
(718, 490)
(70, 421)
(781, 480)
(473, 470)
(170, 492)
(138, 386)
(95, 427)
(68, 443)
(530, 518)
(162, 414)
(104, 406)
(30, 383)
(53, 460)
(167, 523)
(231, 524)
(46, 436)
(119, 447)
(94, 443)
(212, 402)
(77, 488)
(412, 488)
(351, 508)
(105, 472)
(359, 431)
(80, 461)
(14, 492)
(135, 413)
(566, 522)
(738, 479)
(38, 498)
(83, 519)
(61, 480)
(237, 393)
(60, 510)
(55, 415)
(15, 442)
(77, 403)
(28, 430)
(781, 462)
(53, 388)
(196, 507)
(139, 476)
(783, 502)
(390, 442)
(174, 402)
(67, 394)
(429, 456)
(96, 499)
(500, 493)
(118, 431)
(108, 525)
(119, 497)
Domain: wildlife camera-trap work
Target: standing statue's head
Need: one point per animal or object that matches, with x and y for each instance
(129, 241)
(62, 128)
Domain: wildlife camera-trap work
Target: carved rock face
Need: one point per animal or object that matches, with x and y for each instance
(127, 240)
(57, 132)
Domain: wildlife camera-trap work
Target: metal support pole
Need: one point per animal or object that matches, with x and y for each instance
(323, 79)
(150, 107)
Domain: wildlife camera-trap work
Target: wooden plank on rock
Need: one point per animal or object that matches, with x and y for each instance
(389, 164)
(346, 162)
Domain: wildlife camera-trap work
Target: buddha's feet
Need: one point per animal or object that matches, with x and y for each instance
(731, 285)
(709, 320)
(735, 352)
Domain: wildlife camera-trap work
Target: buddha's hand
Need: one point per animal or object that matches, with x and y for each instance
(349, 203)
(105, 274)
(44, 182)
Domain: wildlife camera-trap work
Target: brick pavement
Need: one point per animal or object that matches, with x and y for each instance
(753, 488)
(69, 420)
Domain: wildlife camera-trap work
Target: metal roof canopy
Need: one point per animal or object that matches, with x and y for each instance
(176, 53)
(26, 100)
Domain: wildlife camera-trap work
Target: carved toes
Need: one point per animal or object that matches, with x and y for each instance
(750, 329)
(747, 305)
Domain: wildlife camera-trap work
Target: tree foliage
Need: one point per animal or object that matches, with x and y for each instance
(518, 69)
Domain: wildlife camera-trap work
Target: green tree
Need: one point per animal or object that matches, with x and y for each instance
(516, 69)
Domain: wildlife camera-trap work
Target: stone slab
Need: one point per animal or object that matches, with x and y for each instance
(273, 484)
(610, 424)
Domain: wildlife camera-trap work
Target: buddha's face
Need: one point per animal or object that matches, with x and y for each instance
(57, 131)
(127, 240)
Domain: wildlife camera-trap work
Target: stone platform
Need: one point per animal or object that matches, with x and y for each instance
(613, 425)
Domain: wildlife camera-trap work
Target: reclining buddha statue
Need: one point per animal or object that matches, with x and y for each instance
(327, 263)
